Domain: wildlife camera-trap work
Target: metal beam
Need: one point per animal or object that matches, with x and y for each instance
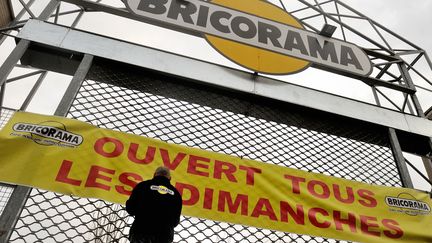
(340, 19)
(74, 85)
(346, 26)
(306, 8)
(57, 14)
(22, 46)
(236, 80)
(2, 93)
(407, 77)
(12, 59)
(427, 161)
(368, 80)
(419, 172)
(27, 9)
(23, 76)
(379, 25)
(18, 199)
(380, 55)
(48, 10)
(9, 217)
(33, 91)
(400, 159)
(16, 202)
(11, 27)
(428, 167)
(428, 60)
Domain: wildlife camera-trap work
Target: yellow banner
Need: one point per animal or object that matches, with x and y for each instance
(75, 158)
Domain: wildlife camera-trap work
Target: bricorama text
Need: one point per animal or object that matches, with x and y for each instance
(101, 177)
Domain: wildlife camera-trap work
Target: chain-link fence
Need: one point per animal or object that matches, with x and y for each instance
(134, 100)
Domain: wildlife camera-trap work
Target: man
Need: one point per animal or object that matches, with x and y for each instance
(156, 205)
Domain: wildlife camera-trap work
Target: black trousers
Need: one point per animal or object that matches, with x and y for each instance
(135, 237)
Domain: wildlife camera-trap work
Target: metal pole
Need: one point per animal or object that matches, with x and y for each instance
(27, 9)
(355, 31)
(33, 91)
(2, 92)
(11, 27)
(12, 59)
(375, 93)
(400, 160)
(407, 77)
(24, 76)
(12, 211)
(16, 202)
(428, 167)
(74, 86)
(427, 162)
(49, 9)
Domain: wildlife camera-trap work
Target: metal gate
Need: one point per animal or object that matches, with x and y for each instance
(135, 100)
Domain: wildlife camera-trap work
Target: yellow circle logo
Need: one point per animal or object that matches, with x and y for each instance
(254, 58)
(162, 190)
(255, 34)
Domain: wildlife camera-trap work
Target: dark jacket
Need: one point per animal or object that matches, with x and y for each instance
(156, 205)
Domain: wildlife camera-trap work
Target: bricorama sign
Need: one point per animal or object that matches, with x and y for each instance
(255, 34)
(74, 158)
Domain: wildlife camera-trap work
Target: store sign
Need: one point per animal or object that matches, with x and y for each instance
(255, 34)
(75, 158)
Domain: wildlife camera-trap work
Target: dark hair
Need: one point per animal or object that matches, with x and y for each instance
(163, 171)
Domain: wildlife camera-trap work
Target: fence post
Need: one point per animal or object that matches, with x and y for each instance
(16, 202)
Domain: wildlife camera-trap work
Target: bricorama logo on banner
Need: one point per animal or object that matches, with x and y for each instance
(162, 190)
(48, 133)
(407, 204)
(254, 34)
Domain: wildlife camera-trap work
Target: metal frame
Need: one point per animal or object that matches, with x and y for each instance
(427, 161)
(400, 160)
(79, 41)
(391, 71)
(384, 56)
(17, 201)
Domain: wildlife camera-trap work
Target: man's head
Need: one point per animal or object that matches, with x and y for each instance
(163, 171)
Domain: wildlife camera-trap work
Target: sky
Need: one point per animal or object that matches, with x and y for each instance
(410, 19)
